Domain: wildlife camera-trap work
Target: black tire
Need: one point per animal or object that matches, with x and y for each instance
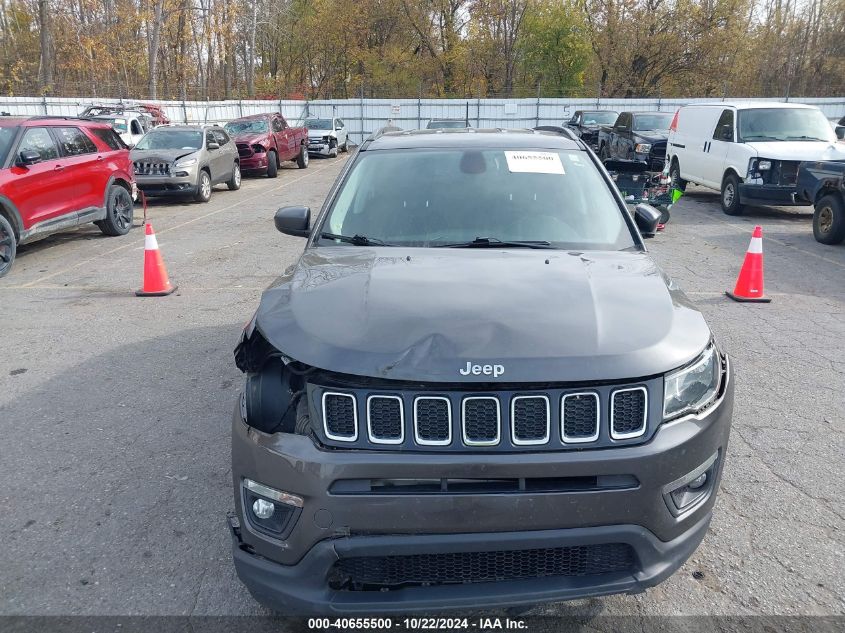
(302, 159)
(604, 154)
(8, 246)
(333, 150)
(345, 147)
(234, 182)
(828, 220)
(676, 182)
(120, 209)
(730, 195)
(272, 164)
(203, 193)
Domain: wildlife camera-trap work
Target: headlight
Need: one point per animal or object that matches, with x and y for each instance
(691, 388)
(764, 165)
(186, 162)
(757, 165)
(642, 148)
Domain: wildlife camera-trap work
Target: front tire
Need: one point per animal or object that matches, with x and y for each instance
(730, 195)
(302, 159)
(8, 246)
(272, 164)
(120, 210)
(828, 220)
(345, 147)
(234, 182)
(604, 154)
(676, 182)
(203, 193)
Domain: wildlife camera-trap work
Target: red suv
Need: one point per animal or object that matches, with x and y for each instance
(57, 173)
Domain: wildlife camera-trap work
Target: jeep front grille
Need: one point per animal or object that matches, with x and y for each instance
(628, 413)
(549, 419)
(378, 573)
(143, 168)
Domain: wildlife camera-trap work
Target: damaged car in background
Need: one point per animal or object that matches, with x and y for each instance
(265, 141)
(186, 160)
(466, 395)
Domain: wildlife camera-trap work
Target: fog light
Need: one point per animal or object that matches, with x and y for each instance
(691, 490)
(263, 509)
(270, 511)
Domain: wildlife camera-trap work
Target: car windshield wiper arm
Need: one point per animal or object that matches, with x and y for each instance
(804, 137)
(356, 240)
(492, 242)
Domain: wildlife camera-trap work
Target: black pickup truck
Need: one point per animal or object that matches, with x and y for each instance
(636, 136)
(822, 183)
(585, 124)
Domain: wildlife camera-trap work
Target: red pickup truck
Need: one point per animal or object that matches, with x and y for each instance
(264, 141)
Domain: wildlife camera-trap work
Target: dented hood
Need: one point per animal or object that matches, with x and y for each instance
(421, 314)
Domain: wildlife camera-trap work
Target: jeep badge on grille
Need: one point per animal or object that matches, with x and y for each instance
(487, 370)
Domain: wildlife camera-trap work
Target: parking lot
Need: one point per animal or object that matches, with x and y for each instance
(115, 411)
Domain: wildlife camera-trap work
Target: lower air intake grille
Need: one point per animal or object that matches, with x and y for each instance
(432, 420)
(530, 419)
(340, 416)
(580, 417)
(481, 420)
(380, 572)
(385, 418)
(628, 413)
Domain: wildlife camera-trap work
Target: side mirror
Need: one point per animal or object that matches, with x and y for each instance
(212, 145)
(29, 157)
(646, 218)
(294, 221)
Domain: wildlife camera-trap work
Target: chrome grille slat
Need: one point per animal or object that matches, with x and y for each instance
(340, 416)
(481, 421)
(580, 415)
(628, 413)
(385, 419)
(530, 420)
(432, 421)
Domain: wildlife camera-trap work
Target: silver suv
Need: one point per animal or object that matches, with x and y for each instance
(186, 160)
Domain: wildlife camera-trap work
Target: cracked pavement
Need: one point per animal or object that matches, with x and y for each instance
(115, 412)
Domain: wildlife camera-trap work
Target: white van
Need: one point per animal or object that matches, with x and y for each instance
(749, 151)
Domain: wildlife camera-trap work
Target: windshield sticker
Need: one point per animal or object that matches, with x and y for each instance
(534, 163)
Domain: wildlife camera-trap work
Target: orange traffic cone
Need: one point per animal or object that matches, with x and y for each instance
(156, 283)
(749, 284)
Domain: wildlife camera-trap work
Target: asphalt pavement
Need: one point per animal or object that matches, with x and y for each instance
(115, 410)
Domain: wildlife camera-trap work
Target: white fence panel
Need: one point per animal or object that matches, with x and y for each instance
(364, 116)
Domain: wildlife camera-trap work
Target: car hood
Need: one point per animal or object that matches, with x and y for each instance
(421, 314)
(320, 133)
(653, 135)
(251, 138)
(160, 155)
(799, 150)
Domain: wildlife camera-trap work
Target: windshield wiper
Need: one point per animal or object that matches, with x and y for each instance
(492, 242)
(761, 137)
(805, 138)
(356, 240)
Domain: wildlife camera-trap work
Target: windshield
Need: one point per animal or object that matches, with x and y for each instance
(652, 121)
(119, 125)
(783, 124)
(446, 125)
(171, 139)
(441, 197)
(235, 128)
(599, 118)
(318, 124)
(7, 135)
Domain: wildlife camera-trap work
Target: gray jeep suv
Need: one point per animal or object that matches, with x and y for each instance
(186, 160)
(475, 388)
